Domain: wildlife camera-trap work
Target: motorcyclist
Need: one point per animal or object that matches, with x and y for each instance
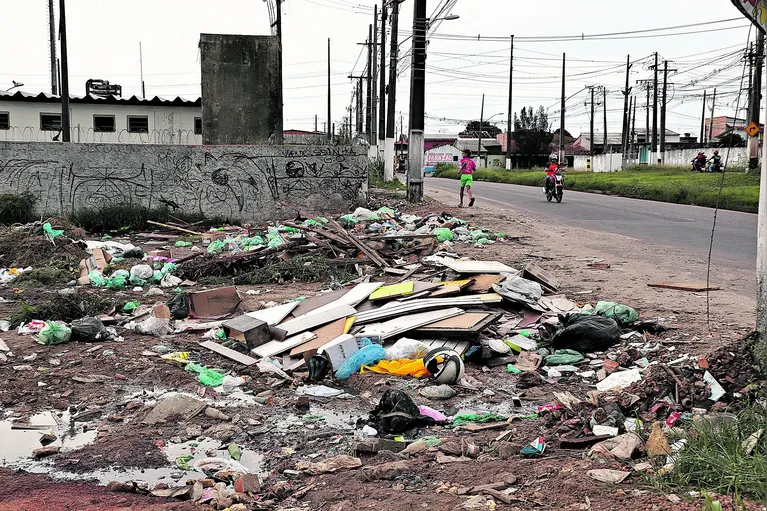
(715, 162)
(699, 162)
(552, 168)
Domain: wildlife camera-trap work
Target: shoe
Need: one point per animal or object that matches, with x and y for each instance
(471, 203)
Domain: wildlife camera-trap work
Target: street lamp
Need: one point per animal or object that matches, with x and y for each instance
(15, 85)
(421, 25)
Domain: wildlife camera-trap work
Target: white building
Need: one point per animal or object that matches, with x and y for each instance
(28, 117)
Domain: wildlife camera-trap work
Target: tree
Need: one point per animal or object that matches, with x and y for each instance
(532, 120)
(730, 139)
(473, 128)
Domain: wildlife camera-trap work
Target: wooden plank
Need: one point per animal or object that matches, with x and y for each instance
(324, 335)
(474, 267)
(419, 286)
(448, 290)
(273, 348)
(394, 309)
(469, 324)
(304, 323)
(537, 274)
(461, 322)
(484, 283)
(315, 302)
(372, 254)
(393, 291)
(398, 326)
(685, 286)
(273, 315)
(354, 297)
(322, 232)
(229, 353)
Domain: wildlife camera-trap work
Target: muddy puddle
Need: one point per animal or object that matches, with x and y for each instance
(16, 445)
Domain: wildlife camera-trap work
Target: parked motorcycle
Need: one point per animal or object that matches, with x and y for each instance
(555, 189)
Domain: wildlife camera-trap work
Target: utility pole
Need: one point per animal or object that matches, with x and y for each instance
(391, 114)
(633, 128)
(52, 28)
(655, 111)
(761, 251)
(703, 121)
(511, 110)
(141, 65)
(479, 140)
(711, 121)
(647, 117)
(417, 101)
(315, 123)
(65, 132)
(604, 107)
(626, 110)
(279, 132)
(663, 113)
(374, 93)
(562, 116)
(330, 135)
(382, 87)
(401, 135)
(358, 91)
(591, 128)
(756, 96)
(369, 98)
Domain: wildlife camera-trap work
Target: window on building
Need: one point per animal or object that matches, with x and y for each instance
(103, 123)
(5, 121)
(138, 124)
(198, 125)
(50, 122)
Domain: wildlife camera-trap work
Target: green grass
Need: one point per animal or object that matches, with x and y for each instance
(17, 208)
(664, 184)
(376, 177)
(715, 460)
(131, 217)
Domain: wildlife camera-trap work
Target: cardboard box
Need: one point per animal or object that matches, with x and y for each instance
(160, 253)
(339, 349)
(208, 237)
(97, 261)
(214, 303)
(251, 331)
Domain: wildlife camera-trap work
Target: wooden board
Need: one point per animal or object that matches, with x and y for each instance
(537, 274)
(354, 297)
(484, 283)
(465, 324)
(474, 267)
(425, 286)
(685, 286)
(398, 326)
(324, 335)
(530, 319)
(273, 315)
(315, 302)
(229, 353)
(459, 347)
(276, 347)
(393, 291)
(447, 290)
(310, 322)
(394, 309)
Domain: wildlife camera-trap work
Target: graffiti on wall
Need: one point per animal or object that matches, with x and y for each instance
(237, 182)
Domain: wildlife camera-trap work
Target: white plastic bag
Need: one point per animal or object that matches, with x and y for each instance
(405, 348)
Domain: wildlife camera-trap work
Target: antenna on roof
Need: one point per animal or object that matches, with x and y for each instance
(141, 64)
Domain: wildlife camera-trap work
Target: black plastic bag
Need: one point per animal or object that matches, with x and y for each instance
(585, 333)
(397, 413)
(179, 307)
(87, 329)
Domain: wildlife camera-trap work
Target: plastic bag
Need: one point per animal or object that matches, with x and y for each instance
(406, 348)
(216, 247)
(116, 282)
(131, 306)
(586, 334)
(133, 253)
(151, 326)
(87, 329)
(364, 214)
(55, 333)
(564, 357)
(443, 234)
(97, 279)
(622, 314)
(142, 271)
(369, 355)
(517, 289)
(182, 244)
(50, 233)
(208, 377)
(404, 367)
(169, 281)
(179, 307)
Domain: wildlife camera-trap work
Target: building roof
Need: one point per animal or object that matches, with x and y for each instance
(643, 131)
(472, 143)
(612, 138)
(100, 100)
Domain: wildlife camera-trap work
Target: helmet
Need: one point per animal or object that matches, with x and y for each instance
(700, 153)
(444, 365)
(553, 157)
(716, 152)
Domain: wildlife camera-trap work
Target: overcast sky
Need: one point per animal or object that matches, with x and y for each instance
(104, 43)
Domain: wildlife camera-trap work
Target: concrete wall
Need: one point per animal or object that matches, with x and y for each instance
(241, 89)
(167, 124)
(611, 162)
(238, 182)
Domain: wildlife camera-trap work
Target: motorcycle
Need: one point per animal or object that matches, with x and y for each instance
(555, 189)
(715, 167)
(698, 166)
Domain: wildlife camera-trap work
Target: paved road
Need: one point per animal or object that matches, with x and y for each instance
(658, 223)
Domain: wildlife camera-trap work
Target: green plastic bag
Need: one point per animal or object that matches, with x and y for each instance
(511, 369)
(443, 234)
(55, 333)
(385, 210)
(216, 247)
(208, 377)
(116, 282)
(479, 234)
(136, 281)
(182, 461)
(235, 452)
(182, 244)
(564, 357)
(477, 418)
(131, 306)
(50, 233)
(622, 314)
(97, 279)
